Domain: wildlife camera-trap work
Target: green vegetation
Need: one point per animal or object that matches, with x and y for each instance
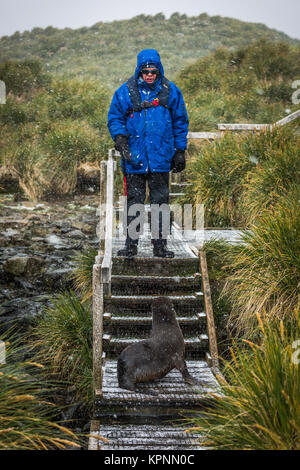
(48, 128)
(28, 420)
(82, 275)
(259, 408)
(63, 338)
(59, 85)
(250, 84)
(107, 51)
(266, 271)
(242, 176)
(216, 172)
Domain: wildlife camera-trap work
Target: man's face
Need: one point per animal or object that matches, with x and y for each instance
(149, 73)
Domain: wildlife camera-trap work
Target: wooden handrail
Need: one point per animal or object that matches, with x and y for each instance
(107, 259)
(241, 127)
(204, 135)
(213, 346)
(256, 127)
(102, 266)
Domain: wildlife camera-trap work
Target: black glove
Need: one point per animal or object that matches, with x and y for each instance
(178, 162)
(121, 144)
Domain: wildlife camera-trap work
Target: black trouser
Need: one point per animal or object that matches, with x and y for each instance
(159, 194)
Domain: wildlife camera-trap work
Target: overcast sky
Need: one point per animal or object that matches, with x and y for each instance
(21, 15)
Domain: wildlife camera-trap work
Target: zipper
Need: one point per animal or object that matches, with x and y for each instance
(145, 115)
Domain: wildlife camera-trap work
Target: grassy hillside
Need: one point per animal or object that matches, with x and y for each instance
(50, 126)
(250, 84)
(108, 51)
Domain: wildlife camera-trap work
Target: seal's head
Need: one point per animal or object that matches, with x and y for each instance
(163, 310)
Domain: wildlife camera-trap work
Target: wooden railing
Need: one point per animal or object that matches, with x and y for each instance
(102, 266)
(242, 127)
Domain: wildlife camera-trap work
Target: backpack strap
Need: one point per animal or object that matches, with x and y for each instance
(134, 93)
(163, 95)
(138, 105)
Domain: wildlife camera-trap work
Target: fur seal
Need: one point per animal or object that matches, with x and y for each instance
(153, 358)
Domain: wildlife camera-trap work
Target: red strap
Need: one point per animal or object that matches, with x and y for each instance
(125, 184)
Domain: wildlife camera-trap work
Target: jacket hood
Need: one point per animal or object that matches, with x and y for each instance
(147, 57)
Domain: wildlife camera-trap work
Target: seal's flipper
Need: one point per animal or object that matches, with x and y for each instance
(124, 378)
(147, 392)
(187, 377)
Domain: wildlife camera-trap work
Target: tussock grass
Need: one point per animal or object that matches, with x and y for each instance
(63, 337)
(276, 173)
(260, 406)
(82, 275)
(266, 275)
(45, 134)
(240, 176)
(217, 173)
(27, 417)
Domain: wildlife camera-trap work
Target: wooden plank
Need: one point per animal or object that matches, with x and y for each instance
(242, 127)
(257, 127)
(98, 311)
(204, 135)
(102, 205)
(287, 119)
(107, 260)
(94, 432)
(213, 346)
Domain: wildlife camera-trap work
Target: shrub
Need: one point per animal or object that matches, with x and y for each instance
(26, 414)
(276, 173)
(23, 76)
(258, 409)
(82, 274)
(267, 270)
(63, 335)
(216, 174)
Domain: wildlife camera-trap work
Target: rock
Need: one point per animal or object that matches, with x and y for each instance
(58, 278)
(76, 234)
(38, 231)
(64, 225)
(88, 176)
(24, 265)
(16, 265)
(82, 226)
(56, 241)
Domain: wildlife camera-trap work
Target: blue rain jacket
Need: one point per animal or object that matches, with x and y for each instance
(154, 133)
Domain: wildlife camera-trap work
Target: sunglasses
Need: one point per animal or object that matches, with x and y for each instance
(152, 71)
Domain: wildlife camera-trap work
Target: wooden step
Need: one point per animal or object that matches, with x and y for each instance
(142, 285)
(167, 396)
(122, 304)
(176, 195)
(155, 266)
(195, 346)
(148, 437)
(179, 187)
(141, 325)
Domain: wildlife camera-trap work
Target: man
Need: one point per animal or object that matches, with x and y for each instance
(148, 121)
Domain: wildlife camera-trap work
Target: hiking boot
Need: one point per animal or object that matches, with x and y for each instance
(129, 251)
(160, 249)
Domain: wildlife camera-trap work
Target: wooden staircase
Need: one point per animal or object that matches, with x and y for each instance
(144, 420)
